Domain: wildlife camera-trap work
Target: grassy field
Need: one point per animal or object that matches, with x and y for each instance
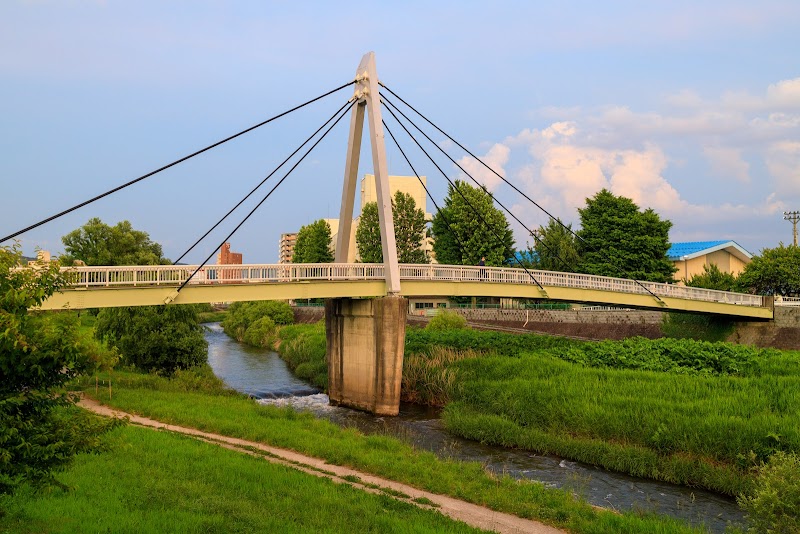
(199, 402)
(161, 482)
(689, 412)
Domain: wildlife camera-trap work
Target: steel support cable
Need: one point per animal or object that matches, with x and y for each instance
(343, 113)
(567, 228)
(485, 223)
(438, 210)
(264, 180)
(554, 253)
(165, 167)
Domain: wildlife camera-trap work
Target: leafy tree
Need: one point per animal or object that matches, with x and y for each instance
(155, 338)
(313, 243)
(616, 239)
(40, 431)
(555, 248)
(775, 272)
(368, 235)
(96, 243)
(409, 231)
(462, 238)
(713, 278)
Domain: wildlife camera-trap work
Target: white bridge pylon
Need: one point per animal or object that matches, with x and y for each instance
(367, 95)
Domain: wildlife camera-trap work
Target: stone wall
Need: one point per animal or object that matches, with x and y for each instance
(308, 314)
(782, 333)
(588, 324)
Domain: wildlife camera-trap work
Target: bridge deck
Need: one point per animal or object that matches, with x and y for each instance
(98, 287)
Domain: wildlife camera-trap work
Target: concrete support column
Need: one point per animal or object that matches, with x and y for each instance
(365, 344)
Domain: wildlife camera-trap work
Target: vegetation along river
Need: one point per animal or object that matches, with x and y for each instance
(262, 374)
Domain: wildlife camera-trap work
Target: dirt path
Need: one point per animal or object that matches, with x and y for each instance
(472, 514)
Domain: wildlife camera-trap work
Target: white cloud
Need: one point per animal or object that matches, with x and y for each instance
(728, 163)
(784, 94)
(783, 163)
(495, 158)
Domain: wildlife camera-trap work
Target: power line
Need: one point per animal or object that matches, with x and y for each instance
(454, 162)
(517, 190)
(181, 160)
(266, 196)
(438, 210)
(263, 181)
(455, 188)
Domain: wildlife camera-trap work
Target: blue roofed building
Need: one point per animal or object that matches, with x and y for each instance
(690, 257)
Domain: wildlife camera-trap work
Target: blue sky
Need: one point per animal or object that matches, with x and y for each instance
(691, 108)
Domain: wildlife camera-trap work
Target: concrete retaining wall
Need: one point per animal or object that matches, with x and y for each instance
(782, 333)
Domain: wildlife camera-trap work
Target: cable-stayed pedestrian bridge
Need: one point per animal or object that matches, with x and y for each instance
(100, 287)
(365, 309)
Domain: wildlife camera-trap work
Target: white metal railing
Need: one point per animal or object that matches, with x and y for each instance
(787, 301)
(172, 275)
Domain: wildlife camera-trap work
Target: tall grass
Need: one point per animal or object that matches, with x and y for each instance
(682, 411)
(303, 347)
(429, 379)
(696, 430)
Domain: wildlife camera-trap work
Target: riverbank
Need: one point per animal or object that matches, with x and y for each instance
(152, 482)
(470, 514)
(692, 413)
(198, 403)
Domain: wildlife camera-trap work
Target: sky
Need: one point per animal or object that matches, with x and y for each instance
(689, 108)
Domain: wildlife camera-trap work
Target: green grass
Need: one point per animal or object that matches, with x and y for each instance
(212, 316)
(235, 415)
(161, 482)
(677, 410)
(693, 429)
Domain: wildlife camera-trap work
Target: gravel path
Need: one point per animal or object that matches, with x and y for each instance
(472, 514)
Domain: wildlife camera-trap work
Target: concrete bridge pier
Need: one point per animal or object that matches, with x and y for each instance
(365, 345)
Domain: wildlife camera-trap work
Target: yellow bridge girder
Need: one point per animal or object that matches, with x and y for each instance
(103, 297)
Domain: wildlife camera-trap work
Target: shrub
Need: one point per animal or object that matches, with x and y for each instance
(243, 314)
(696, 326)
(155, 338)
(774, 503)
(303, 346)
(262, 333)
(446, 320)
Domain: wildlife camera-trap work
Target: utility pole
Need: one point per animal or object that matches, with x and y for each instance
(793, 216)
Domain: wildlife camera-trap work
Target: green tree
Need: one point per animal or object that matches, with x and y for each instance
(40, 430)
(775, 272)
(462, 238)
(616, 239)
(409, 231)
(96, 243)
(155, 338)
(368, 235)
(313, 243)
(555, 248)
(713, 278)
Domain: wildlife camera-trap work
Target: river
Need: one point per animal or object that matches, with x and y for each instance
(262, 374)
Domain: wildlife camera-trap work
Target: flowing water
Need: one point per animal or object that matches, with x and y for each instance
(262, 374)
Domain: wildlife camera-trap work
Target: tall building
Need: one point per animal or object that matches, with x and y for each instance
(286, 250)
(226, 257)
(406, 184)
